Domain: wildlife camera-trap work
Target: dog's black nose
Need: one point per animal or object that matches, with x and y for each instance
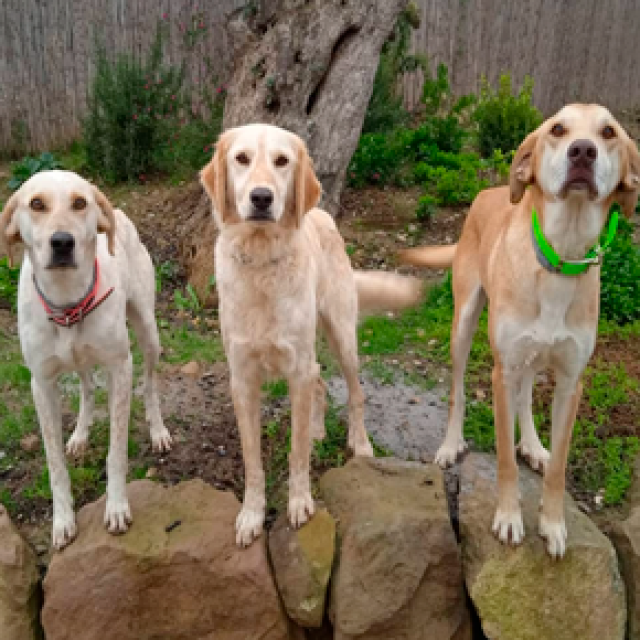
(582, 153)
(62, 242)
(261, 198)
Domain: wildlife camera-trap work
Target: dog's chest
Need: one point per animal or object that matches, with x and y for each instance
(557, 336)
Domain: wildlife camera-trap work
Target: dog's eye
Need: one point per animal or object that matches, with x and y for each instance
(243, 158)
(282, 161)
(79, 204)
(37, 204)
(608, 132)
(557, 130)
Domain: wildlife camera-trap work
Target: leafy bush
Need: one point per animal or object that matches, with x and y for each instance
(8, 283)
(504, 119)
(381, 159)
(23, 170)
(620, 285)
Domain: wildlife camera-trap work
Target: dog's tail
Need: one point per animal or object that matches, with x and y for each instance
(380, 291)
(440, 257)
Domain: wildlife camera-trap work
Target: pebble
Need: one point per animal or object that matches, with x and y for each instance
(30, 443)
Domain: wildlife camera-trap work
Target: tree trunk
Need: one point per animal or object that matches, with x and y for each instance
(308, 66)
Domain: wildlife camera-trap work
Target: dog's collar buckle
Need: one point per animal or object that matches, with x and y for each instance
(69, 315)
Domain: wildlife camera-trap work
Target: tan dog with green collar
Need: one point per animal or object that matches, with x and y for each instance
(577, 165)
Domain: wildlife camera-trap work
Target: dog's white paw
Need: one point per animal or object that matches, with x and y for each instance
(64, 530)
(117, 516)
(555, 535)
(301, 508)
(508, 526)
(161, 440)
(535, 454)
(448, 453)
(248, 526)
(78, 443)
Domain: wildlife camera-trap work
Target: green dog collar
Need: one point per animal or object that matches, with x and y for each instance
(551, 261)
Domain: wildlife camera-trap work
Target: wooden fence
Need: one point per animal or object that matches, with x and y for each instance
(574, 49)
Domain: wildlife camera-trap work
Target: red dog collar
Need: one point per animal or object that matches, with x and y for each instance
(72, 314)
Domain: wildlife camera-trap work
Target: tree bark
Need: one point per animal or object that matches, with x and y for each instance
(308, 66)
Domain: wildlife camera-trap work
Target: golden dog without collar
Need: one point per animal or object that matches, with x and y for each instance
(575, 165)
(282, 271)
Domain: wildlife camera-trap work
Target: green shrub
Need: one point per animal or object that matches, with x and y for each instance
(386, 109)
(504, 119)
(381, 159)
(134, 109)
(426, 207)
(8, 283)
(455, 186)
(620, 284)
(23, 170)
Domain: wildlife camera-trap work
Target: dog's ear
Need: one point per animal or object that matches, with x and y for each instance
(214, 178)
(9, 230)
(307, 186)
(629, 187)
(521, 173)
(106, 219)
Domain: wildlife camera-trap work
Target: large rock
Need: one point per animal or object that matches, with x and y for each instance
(302, 560)
(521, 593)
(626, 538)
(19, 585)
(163, 579)
(398, 574)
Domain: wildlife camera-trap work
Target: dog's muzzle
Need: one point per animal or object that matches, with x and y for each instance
(62, 250)
(261, 199)
(582, 155)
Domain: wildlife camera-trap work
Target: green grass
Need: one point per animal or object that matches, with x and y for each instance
(182, 345)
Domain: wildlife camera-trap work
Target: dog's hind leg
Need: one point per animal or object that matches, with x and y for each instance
(469, 302)
(302, 388)
(117, 513)
(530, 447)
(318, 409)
(563, 415)
(79, 440)
(245, 391)
(47, 401)
(146, 330)
(339, 325)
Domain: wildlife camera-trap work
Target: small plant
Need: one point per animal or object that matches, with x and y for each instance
(386, 110)
(27, 167)
(8, 283)
(620, 280)
(134, 110)
(504, 119)
(166, 271)
(427, 205)
(189, 302)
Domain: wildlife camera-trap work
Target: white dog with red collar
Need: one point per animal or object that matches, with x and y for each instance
(84, 273)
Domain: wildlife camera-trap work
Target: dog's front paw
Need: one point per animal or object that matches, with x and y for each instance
(555, 535)
(301, 508)
(117, 516)
(535, 454)
(161, 440)
(64, 530)
(248, 526)
(448, 453)
(508, 526)
(78, 443)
